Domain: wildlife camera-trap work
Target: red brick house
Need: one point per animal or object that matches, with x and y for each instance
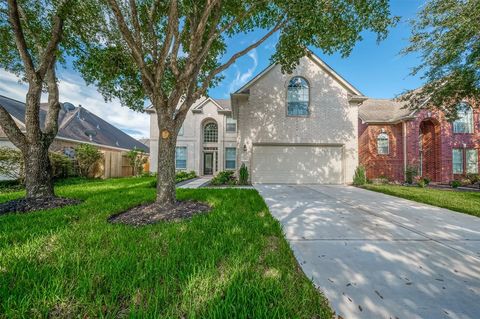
(392, 138)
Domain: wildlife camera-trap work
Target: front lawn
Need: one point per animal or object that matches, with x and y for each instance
(464, 202)
(69, 262)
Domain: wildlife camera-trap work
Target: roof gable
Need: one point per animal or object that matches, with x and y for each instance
(223, 105)
(325, 67)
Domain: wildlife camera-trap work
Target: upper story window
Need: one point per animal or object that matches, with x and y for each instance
(210, 133)
(383, 147)
(231, 124)
(298, 97)
(464, 122)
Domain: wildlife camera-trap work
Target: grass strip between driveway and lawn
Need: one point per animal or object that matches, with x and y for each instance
(460, 201)
(70, 262)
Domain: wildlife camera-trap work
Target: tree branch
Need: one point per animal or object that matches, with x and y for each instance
(234, 58)
(49, 55)
(14, 18)
(51, 121)
(172, 25)
(136, 50)
(11, 129)
(135, 22)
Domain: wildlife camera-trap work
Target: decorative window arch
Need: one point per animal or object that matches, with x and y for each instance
(298, 96)
(383, 145)
(464, 122)
(210, 133)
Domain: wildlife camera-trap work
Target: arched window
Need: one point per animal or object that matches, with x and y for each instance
(464, 121)
(210, 133)
(383, 147)
(298, 97)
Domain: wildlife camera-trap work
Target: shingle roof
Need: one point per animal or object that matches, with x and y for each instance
(224, 103)
(383, 110)
(77, 123)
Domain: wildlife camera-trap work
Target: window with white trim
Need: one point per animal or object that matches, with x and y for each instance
(383, 147)
(471, 157)
(464, 122)
(457, 161)
(231, 124)
(210, 133)
(181, 157)
(230, 158)
(298, 94)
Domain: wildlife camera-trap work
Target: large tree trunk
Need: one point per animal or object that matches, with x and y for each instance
(166, 161)
(38, 171)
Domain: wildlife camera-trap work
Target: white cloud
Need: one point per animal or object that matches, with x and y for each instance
(73, 89)
(242, 78)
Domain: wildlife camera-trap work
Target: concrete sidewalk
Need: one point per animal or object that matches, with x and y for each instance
(379, 256)
(196, 183)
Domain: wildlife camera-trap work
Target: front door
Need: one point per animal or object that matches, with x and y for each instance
(207, 163)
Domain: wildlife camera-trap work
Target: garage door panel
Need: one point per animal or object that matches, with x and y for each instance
(297, 164)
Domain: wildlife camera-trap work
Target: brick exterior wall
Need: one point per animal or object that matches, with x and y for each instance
(438, 142)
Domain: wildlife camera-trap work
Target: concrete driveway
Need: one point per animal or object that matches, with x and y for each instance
(378, 256)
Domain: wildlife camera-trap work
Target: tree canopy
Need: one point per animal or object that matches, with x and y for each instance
(145, 47)
(446, 34)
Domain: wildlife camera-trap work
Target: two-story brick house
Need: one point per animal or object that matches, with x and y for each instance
(392, 137)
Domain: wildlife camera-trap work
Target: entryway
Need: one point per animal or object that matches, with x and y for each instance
(208, 163)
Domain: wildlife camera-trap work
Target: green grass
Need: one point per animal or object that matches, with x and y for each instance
(464, 202)
(69, 262)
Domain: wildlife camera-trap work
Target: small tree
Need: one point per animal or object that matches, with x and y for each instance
(87, 157)
(360, 177)
(11, 163)
(243, 175)
(136, 159)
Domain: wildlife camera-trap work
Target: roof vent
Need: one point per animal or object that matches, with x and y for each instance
(98, 126)
(67, 106)
(91, 134)
(116, 143)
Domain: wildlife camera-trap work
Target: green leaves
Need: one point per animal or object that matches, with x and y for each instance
(446, 35)
(200, 30)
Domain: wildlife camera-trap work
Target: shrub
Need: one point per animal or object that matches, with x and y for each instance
(62, 166)
(224, 178)
(455, 184)
(473, 178)
(243, 175)
(87, 157)
(179, 177)
(410, 173)
(11, 163)
(421, 183)
(183, 176)
(136, 159)
(359, 177)
(426, 180)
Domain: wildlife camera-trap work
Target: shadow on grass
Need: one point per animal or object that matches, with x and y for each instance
(71, 262)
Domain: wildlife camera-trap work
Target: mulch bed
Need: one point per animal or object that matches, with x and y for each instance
(152, 213)
(25, 205)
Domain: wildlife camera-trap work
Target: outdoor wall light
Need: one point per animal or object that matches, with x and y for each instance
(244, 147)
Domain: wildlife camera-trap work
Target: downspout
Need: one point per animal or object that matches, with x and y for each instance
(404, 131)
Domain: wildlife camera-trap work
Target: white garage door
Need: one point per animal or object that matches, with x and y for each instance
(297, 164)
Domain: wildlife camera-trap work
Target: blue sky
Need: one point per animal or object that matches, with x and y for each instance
(377, 70)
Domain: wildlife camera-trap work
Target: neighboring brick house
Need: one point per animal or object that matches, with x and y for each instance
(79, 126)
(392, 137)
